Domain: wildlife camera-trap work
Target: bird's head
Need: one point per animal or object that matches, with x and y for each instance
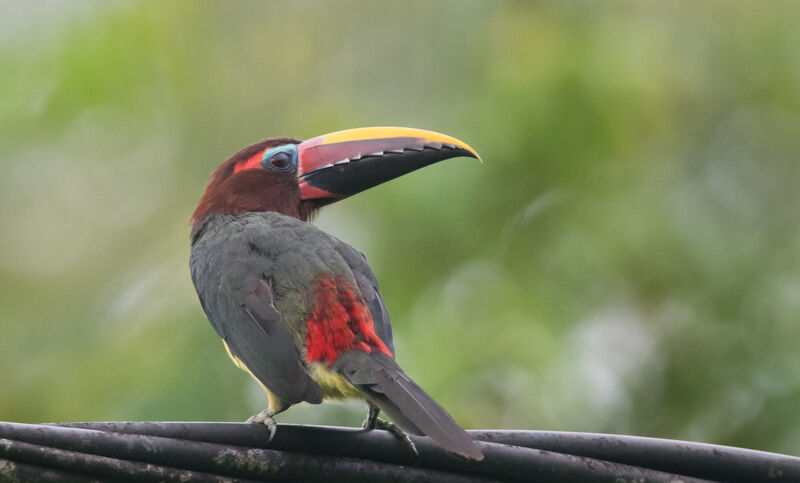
(297, 178)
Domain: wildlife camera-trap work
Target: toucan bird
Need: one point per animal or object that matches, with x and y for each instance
(297, 308)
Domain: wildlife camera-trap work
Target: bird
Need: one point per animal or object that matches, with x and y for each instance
(297, 308)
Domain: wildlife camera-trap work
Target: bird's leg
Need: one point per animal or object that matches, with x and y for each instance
(372, 421)
(372, 416)
(267, 416)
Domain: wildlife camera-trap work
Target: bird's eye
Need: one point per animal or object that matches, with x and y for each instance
(281, 161)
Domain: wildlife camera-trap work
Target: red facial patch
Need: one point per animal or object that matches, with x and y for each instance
(339, 322)
(252, 162)
(308, 192)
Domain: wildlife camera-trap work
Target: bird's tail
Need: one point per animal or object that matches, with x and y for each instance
(382, 380)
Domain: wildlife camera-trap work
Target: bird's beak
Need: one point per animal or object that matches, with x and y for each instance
(343, 163)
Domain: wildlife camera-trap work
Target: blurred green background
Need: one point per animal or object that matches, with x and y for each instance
(625, 260)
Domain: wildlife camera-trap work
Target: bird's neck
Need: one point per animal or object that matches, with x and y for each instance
(252, 192)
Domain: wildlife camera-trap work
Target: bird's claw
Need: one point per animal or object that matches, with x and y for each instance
(378, 423)
(265, 417)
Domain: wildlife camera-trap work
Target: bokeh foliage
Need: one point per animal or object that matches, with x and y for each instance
(625, 260)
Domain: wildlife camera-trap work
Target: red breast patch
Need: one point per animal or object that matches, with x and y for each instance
(339, 321)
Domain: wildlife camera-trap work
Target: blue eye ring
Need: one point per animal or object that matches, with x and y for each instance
(281, 159)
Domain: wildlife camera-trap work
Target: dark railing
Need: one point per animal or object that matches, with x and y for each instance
(187, 451)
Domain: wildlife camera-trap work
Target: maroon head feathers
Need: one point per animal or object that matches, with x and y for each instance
(239, 185)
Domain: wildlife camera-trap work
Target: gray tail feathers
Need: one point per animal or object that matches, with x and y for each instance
(386, 385)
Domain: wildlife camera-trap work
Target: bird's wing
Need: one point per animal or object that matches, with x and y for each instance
(261, 340)
(238, 299)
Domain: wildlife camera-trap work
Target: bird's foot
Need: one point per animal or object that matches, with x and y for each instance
(265, 417)
(375, 422)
